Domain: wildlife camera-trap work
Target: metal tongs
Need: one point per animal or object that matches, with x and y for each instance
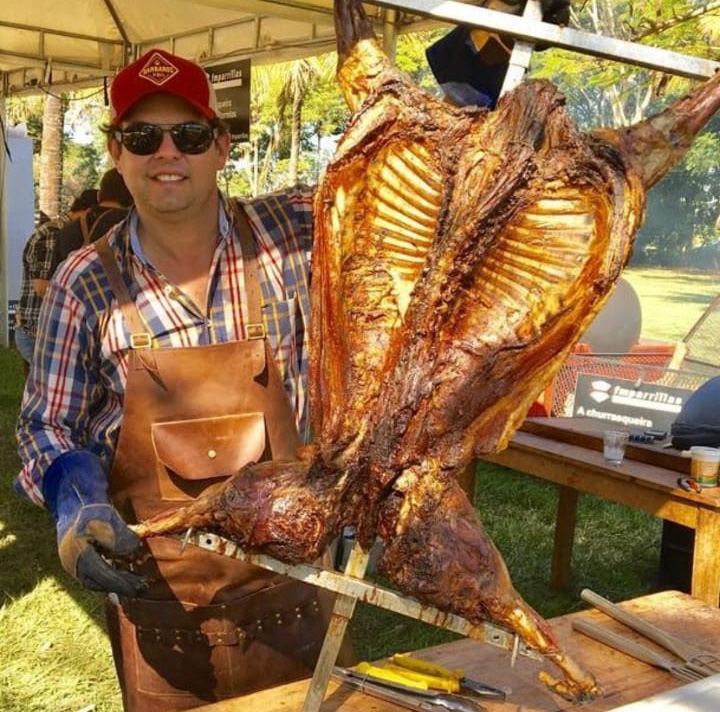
(696, 663)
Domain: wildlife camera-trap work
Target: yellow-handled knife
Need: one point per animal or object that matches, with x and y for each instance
(442, 678)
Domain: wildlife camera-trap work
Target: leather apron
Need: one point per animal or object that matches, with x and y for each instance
(210, 627)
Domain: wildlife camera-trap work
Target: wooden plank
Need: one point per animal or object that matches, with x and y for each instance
(623, 679)
(466, 479)
(635, 484)
(587, 433)
(460, 13)
(550, 455)
(658, 498)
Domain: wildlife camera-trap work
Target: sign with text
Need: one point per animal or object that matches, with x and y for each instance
(232, 88)
(628, 403)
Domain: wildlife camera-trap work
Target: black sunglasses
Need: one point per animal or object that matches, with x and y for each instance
(143, 139)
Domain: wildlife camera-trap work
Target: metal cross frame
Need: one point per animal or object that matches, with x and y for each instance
(351, 587)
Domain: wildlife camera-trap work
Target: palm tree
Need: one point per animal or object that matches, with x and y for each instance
(51, 155)
(292, 96)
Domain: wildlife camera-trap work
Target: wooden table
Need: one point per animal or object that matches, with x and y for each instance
(622, 678)
(568, 452)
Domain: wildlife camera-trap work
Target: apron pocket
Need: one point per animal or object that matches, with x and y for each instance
(193, 454)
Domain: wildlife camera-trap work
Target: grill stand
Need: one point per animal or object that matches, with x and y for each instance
(351, 587)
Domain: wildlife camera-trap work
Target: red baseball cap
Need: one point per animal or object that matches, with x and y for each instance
(159, 72)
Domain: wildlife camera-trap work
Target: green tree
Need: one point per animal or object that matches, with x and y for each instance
(609, 93)
(292, 97)
(683, 208)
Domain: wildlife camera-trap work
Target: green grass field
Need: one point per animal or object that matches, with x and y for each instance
(54, 656)
(671, 304)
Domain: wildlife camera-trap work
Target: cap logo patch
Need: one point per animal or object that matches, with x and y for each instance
(158, 70)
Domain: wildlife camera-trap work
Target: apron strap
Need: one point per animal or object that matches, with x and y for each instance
(140, 338)
(255, 328)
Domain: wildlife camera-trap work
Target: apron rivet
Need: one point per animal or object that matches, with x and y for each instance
(212, 454)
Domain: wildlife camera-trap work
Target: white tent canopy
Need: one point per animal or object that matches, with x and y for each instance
(82, 41)
(79, 42)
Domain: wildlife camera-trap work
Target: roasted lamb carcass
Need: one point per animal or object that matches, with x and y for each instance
(459, 255)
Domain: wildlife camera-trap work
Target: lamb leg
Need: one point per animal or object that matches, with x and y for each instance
(437, 550)
(274, 508)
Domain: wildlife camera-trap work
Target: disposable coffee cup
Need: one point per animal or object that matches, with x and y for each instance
(614, 442)
(704, 463)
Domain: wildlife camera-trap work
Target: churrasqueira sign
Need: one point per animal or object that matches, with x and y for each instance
(621, 402)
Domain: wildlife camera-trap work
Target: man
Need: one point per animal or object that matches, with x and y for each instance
(113, 198)
(37, 270)
(171, 352)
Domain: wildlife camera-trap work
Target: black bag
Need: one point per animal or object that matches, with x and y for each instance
(698, 422)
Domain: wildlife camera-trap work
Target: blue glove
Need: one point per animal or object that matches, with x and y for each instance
(75, 488)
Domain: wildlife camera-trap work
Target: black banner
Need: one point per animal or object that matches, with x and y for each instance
(627, 403)
(232, 88)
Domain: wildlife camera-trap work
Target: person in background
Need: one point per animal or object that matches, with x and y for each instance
(41, 218)
(114, 199)
(470, 64)
(37, 270)
(171, 352)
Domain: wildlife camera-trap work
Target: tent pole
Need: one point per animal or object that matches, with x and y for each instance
(4, 247)
(390, 33)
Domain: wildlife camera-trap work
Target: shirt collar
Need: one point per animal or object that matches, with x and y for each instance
(223, 223)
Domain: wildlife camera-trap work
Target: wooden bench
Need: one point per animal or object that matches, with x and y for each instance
(568, 452)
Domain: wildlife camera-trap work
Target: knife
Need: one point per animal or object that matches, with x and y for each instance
(411, 697)
(443, 678)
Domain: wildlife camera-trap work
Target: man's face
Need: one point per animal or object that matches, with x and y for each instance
(168, 182)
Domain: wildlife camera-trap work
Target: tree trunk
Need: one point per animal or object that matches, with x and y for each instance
(51, 155)
(295, 132)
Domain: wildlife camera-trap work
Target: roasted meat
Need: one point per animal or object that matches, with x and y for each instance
(459, 255)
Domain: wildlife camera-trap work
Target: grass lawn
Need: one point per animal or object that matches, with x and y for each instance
(671, 301)
(53, 653)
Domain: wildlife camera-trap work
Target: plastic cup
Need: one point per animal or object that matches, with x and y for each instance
(614, 442)
(704, 463)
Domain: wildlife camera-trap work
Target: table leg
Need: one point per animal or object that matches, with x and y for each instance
(705, 583)
(564, 537)
(466, 479)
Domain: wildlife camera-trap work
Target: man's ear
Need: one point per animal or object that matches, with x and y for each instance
(222, 142)
(114, 148)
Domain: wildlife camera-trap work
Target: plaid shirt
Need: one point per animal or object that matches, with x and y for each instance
(74, 394)
(37, 264)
